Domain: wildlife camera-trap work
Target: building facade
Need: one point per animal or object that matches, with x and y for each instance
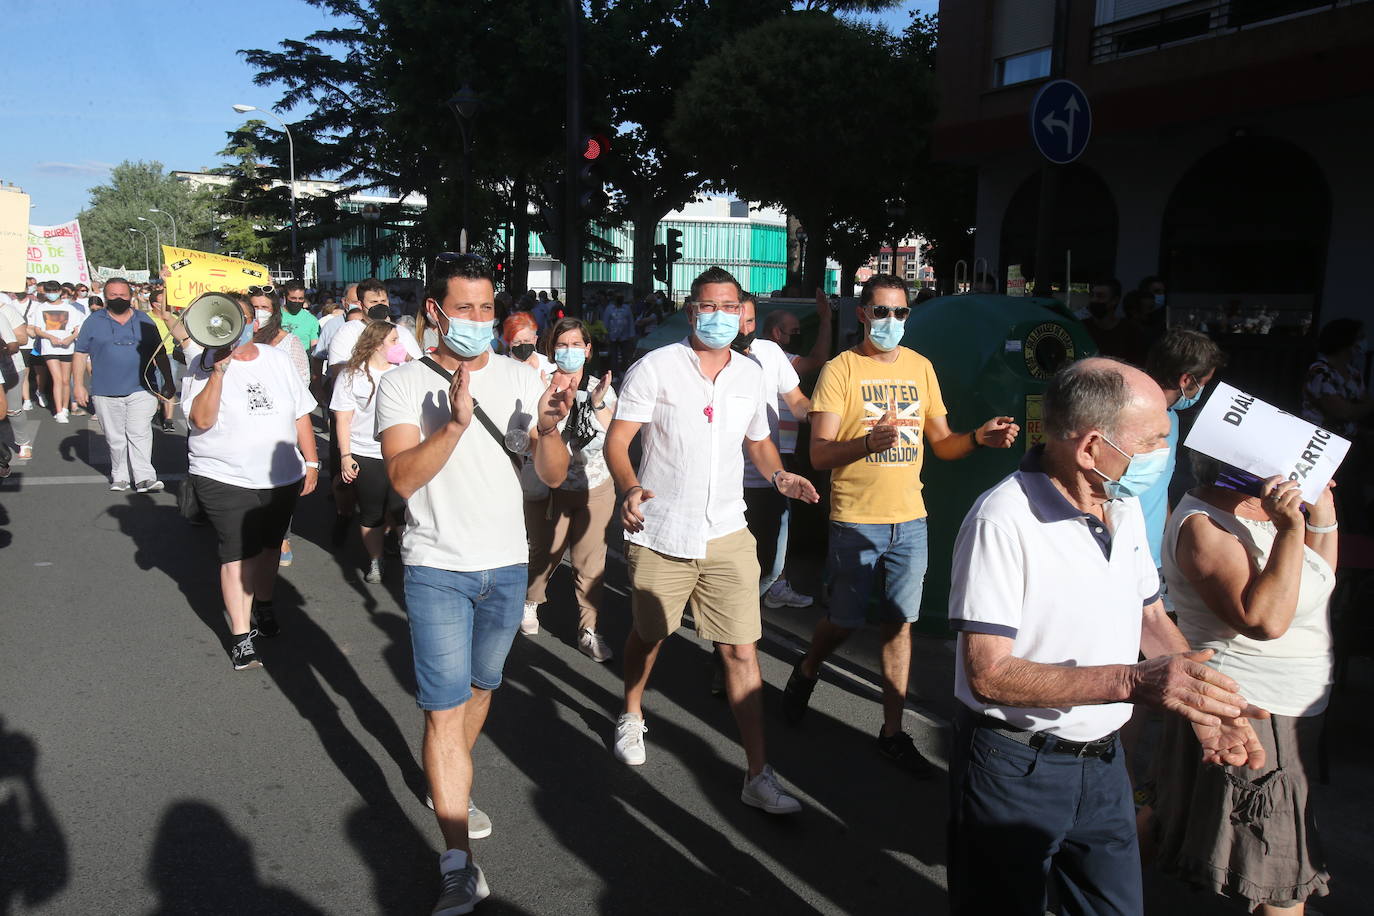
(1229, 150)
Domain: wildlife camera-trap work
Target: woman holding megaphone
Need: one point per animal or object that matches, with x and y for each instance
(252, 453)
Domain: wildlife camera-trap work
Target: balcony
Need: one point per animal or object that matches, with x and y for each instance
(1195, 21)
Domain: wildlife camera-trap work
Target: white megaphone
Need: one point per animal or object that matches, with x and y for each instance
(213, 320)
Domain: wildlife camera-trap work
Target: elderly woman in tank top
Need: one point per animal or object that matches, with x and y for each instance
(1251, 579)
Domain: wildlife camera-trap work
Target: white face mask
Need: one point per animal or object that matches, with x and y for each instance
(263, 316)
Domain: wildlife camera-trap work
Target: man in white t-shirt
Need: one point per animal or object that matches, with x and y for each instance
(14, 427)
(1055, 596)
(696, 402)
(450, 427)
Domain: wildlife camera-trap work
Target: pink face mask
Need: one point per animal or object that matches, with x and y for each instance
(396, 354)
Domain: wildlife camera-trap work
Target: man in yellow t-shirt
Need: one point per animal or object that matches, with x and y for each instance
(874, 408)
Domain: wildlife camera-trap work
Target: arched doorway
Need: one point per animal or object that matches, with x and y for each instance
(1085, 224)
(1247, 226)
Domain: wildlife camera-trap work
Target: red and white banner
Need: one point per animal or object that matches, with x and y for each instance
(57, 253)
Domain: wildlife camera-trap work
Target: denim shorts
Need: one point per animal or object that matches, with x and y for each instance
(888, 561)
(462, 625)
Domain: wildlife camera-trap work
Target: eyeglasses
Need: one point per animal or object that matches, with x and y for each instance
(729, 308)
(901, 312)
(264, 290)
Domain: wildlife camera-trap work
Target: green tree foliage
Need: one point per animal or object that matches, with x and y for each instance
(817, 115)
(133, 188)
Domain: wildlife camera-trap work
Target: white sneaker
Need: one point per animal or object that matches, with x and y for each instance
(782, 595)
(27, 405)
(479, 822)
(529, 624)
(591, 644)
(765, 792)
(60, 417)
(629, 739)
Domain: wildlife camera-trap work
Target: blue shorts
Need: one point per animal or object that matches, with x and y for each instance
(865, 558)
(462, 625)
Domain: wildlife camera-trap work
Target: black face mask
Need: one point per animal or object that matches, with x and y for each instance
(522, 352)
(117, 306)
(293, 307)
(742, 342)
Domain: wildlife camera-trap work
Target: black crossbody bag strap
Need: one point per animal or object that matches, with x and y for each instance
(480, 414)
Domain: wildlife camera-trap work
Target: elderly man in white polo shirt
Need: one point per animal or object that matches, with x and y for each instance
(1055, 596)
(695, 402)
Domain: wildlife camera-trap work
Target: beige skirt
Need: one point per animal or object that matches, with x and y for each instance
(1242, 833)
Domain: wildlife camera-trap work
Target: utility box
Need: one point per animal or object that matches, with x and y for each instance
(994, 356)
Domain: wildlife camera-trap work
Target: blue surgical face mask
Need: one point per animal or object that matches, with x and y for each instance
(1184, 401)
(468, 338)
(1159, 299)
(570, 359)
(886, 333)
(716, 329)
(1143, 471)
(52, 297)
(246, 336)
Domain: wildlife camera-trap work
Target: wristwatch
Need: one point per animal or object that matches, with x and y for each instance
(313, 465)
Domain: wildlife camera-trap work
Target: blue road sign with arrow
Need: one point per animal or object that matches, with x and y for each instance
(1061, 121)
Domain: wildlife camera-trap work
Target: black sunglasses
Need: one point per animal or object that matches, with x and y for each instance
(901, 312)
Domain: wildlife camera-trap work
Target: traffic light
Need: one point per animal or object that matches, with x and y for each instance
(498, 269)
(591, 177)
(674, 245)
(660, 263)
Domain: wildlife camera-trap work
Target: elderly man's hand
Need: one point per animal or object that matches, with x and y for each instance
(1182, 684)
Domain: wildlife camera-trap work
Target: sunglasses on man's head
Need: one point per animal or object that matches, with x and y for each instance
(882, 311)
(264, 290)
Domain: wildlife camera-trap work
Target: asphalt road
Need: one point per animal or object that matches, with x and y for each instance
(140, 774)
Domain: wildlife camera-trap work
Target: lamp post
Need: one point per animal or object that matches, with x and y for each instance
(170, 217)
(464, 105)
(297, 268)
(158, 230)
(146, 266)
(371, 214)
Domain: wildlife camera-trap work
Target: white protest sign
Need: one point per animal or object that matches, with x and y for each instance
(1258, 437)
(56, 253)
(101, 274)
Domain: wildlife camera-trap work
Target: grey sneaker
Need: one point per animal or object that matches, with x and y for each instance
(765, 792)
(119, 486)
(593, 645)
(461, 889)
(479, 824)
(149, 486)
(374, 573)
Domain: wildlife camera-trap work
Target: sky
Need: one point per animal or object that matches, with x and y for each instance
(150, 81)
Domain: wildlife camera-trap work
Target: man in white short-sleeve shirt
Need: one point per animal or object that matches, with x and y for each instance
(695, 402)
(1054, 595)
(448, 426)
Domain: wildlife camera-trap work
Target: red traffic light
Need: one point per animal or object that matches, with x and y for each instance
(594, 146)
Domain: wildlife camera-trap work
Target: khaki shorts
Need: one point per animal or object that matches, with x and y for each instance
(723, 589)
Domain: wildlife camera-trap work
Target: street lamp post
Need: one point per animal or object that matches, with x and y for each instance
(464, 105)
(147, 268)
(158, 230)
(297, 268)
(170, 217)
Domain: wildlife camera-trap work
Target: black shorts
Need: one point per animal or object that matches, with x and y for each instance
(377, 501)
(246, 521)
(30, 360)
(58, 357)
(334, 454)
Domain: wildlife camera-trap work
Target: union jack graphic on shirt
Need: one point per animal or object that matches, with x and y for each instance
(900, 398)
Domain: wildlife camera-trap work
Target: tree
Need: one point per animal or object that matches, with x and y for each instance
(133, 189)
(817, 115)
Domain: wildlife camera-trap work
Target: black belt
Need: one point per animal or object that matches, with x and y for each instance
(1051, 744)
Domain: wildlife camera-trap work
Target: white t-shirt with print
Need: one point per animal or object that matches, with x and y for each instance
(61, 319)
(357, 392)
(470, 516)
(253, 441)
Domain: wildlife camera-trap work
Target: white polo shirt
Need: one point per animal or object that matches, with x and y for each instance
(1066, 589)
(690, 441)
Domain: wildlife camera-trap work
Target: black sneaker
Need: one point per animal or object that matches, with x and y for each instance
(266, 619)
(796, 696)
(901, 750)
(242, 653)
(340, 532)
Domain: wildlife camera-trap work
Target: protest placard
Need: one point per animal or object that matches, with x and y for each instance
(1244, 431)
(190, 273)
(14, 238)
(101, 274)
(57, 253)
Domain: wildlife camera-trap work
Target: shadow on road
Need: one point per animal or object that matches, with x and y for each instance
(34, 864)
(200, 864)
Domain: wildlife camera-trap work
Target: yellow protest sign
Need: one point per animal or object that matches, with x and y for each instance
(189, 273)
